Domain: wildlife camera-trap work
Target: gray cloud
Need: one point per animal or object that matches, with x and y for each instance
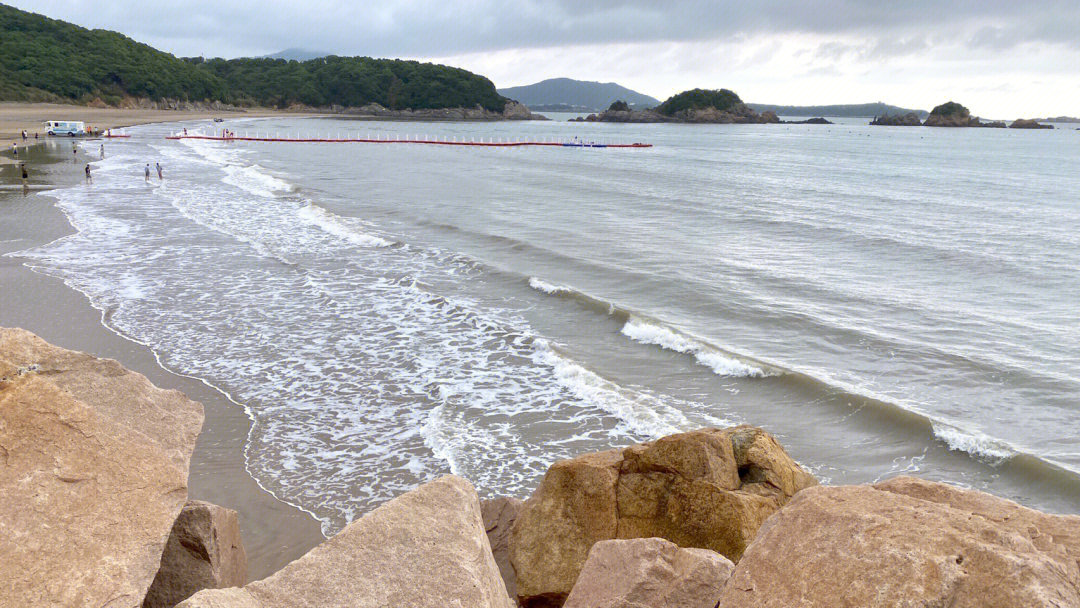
(441, 28)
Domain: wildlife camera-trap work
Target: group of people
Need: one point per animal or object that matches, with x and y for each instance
(25, 172)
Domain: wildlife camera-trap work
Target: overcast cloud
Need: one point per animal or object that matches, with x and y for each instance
(1002, 59)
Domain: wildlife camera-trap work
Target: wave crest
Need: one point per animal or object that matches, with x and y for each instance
(721, 363)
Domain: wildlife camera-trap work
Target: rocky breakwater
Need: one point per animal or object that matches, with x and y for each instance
(695, 106)
(908, 542)
(425, 548)
(93, 473)
(93, 469)
(709, 489)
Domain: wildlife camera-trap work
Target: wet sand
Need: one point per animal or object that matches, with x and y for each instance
(274, 533)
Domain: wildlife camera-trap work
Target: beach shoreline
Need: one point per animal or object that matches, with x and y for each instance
(16, 116)
(274, 532)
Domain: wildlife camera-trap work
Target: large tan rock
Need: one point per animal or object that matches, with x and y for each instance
(425, 548)
(709, 489)
(649, 573)
(204, 552)
(908, 543)
(499, 515)
(93, 472)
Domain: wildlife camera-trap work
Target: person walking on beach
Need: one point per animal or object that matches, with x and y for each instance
(24, 135)
(74, 151)
(158, 167)
(103, 151)
(25, 176)
(89, 179)
(146, 173)
(15, 149)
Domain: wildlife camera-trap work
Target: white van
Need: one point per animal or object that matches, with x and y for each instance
(65, 127)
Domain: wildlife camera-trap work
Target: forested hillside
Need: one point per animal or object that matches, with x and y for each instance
(44, 59)
(351, 81)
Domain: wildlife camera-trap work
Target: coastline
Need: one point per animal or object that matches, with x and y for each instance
(274, 532)
(15, 116)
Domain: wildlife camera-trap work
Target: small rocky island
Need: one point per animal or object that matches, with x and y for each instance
(952, 114)
(703, 106)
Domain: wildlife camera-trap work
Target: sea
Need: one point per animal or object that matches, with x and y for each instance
(884, 300)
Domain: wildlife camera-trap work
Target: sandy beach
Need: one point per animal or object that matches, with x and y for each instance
(14, 117)
(274, 532)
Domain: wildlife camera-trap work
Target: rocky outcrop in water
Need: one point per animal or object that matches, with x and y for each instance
(649, 573)
(952, 114)
(204, 552)
(425, 548)
(1028, 123)
(809, 121)
(908, 542)
(738, 114)
(93, 472)
(708, 489)
(910, 119)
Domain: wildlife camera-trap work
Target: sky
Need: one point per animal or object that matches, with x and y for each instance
(1002, 59)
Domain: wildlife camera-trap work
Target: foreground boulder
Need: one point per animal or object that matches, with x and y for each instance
(499, 515)
(649, 573)
(908, 542)
(93, 472)
(425, 548)
(204, 552)
(710, 489)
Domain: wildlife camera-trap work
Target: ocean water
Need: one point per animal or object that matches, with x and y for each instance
(884, 300)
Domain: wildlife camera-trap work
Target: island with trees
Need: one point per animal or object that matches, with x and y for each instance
(952, 114)
(719, 106)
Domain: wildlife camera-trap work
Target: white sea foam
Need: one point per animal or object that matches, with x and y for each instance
(973, 442)
(338, 226)
(255, 179)
(646, 414)
(722, 364)
(546, 287)
(366, 370)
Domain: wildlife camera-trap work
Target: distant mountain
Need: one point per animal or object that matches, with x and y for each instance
(565, 94)
(858, 110)
(296, 55)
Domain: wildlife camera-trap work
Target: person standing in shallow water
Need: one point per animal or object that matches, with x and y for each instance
(25, 176)
(146, 172)
(158, 166)
(89, 179)
(102, 151)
